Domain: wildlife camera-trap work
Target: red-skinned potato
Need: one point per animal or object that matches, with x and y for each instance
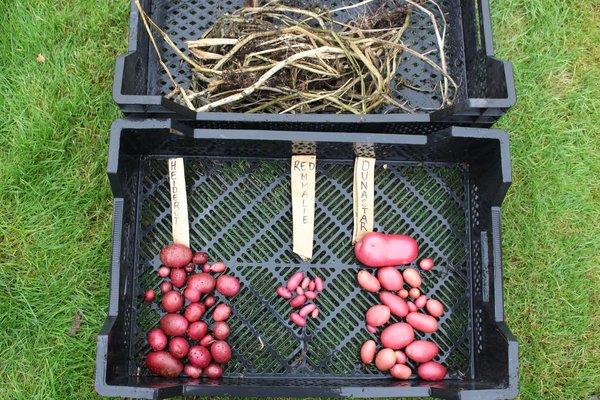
(294, 281)
(189, 268)
(371, 329)
(422, 322)
(220, 351)
(367, 352)
(174, 324)
(194, 312)
(218, 267)
(390, 278)
(209, 301)
(213, 371)
(297, 319)
(435, 308)
(221, 330)
(179, 347)
(221, 312)
(386, 359)
(378, 315)
(397, 336)
(207, 341)
(380, 250)
(403, 293)
(414, 293)
(200, 258)
(412, 277)
(163, 271)
(312, 286)
(176, 255)
(315, 313)
(400, 357)
(192, 372)
(149, 296)
(172, 301)
(197, 330)
(193, 295)
(319, 284)
(157, 339)
(305, 283)
(206, 268)
(166, 287)
(421, 301)
(426, 264)
(284, 292)
(199, 356)
(398, 306)
(422, 351)
(368, 281)
(178, 277)
(228, 285)
(401, 371)
(431, 371)
(298, 301)
(307, 309)
(411, 306)
(203, 282)
(310, 295)
(164, 364)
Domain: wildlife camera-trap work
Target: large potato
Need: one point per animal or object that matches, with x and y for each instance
(164, 364)
(397, 336)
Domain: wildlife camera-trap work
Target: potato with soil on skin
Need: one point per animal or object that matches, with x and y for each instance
(377, 249)
(422, 322)
(431, 371)
(174, 324)
(378, 315)
(368, 281)
(221, 330)
(172, 301)
(228, 285)
(157, 339)
(178, 277)
(397, 305)
(179, 347)
(203, 282)
(194, 312)
(390, 278)
(164, 364)
(197, 330)
(422, 351)
(199, 356)
(367, 352)
(401, 371)
(397, 336)
(176, 255)
(220, 351)
(385, 360)
(213, 371)
(221, 312)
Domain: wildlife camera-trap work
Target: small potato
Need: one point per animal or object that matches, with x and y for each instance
(194, 312)
(172, 301)
(403, 293)
(197, 330)
(209, 301)
(305, 283)
(414, 293)
(385, 360)
(315, 313)
(213, 371)
(283, 292)
(401, 371)
(174, 325)
(312, 286)
(378, 315)
(220, 351)
(390, 278)
(421, 301)
(422, 351)
(176, 255)
(310, 295)
(368, 282)
(294, 281)
(218, 267)
(199, 356)
(164, 364)
(319, 284)
(166, 287)
(200, 258)
(426, 264)
(207, 340)
(411, 306)
(193, 295)
(189, 268)
(192, 372)
(203, 282)
(179, 347)
(367, 352)
(431, 371)
(422, 322)
(163, 271)
(412, 277)
(149, 296)
(401, 357)
(297, 319)
(397, 336)
(178, 277)
(398, 306)
(206, 268)
(372, 329)
(221, 312)
(221, 330)
(307, 309)
(299, 291)
(298, 301)
(435, 308)
(228, 285)
(157, 339)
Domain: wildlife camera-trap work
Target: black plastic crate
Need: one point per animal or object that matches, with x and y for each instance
(444, 189)
(486, 89)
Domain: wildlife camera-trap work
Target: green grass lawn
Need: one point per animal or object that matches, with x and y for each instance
(55, 201)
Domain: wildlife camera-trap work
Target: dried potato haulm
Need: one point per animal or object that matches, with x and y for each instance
(278, 58)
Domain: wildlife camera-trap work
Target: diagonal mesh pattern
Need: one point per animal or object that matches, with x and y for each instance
(240, 212)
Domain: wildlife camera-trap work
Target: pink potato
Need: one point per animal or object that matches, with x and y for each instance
(319, 284)
(197, 330)
(149, 296)
(294, 281)
(178, 277)
(283, 292)
(221, 312)
(312, 286)
(390, 278)
(220, 351)
(422, 351)
(193, 295)
(213, 371)
(421, 301)
(400, 357)
(298, 301)
(166, 287)
(209, 301)
(307, 309)
(372, 329)
(385, 360)
(412, 277)
(163, 271)
(397, 336)
(414, 293)
(380, 250)
(221, 330)
(422, 322)
(431, 371)
(228, 285)
(192, 372)
(401, 371)
(194, 312)
(367, 352)
(315, 313)
(157, 339)
(172, 301)
(189, 268)
(176, 255)
(174, 324)
(305, 283)
(299, 291)
(403, 293)
(203, 282)
(206, 268)
(310, 295)
(426, 264)
(179, 347)
(297, 319)
(199, 356)
(164, 364)
(368, 281)
(435, 308)
(218, 267)
(411, 306)
(378, 315)
(207, 340)
(200, 258)
(398, 306)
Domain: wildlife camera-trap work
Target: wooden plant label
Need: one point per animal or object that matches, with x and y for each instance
(363, 196)
(179, 206)
(303, 204)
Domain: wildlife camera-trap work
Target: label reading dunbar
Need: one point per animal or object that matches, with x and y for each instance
(363, 197)
(179, 206)
(303, 204)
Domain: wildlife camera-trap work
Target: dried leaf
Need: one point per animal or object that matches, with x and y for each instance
(41, 58)
(76, 324)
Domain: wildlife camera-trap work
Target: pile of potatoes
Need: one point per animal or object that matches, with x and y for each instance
(184, 343)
